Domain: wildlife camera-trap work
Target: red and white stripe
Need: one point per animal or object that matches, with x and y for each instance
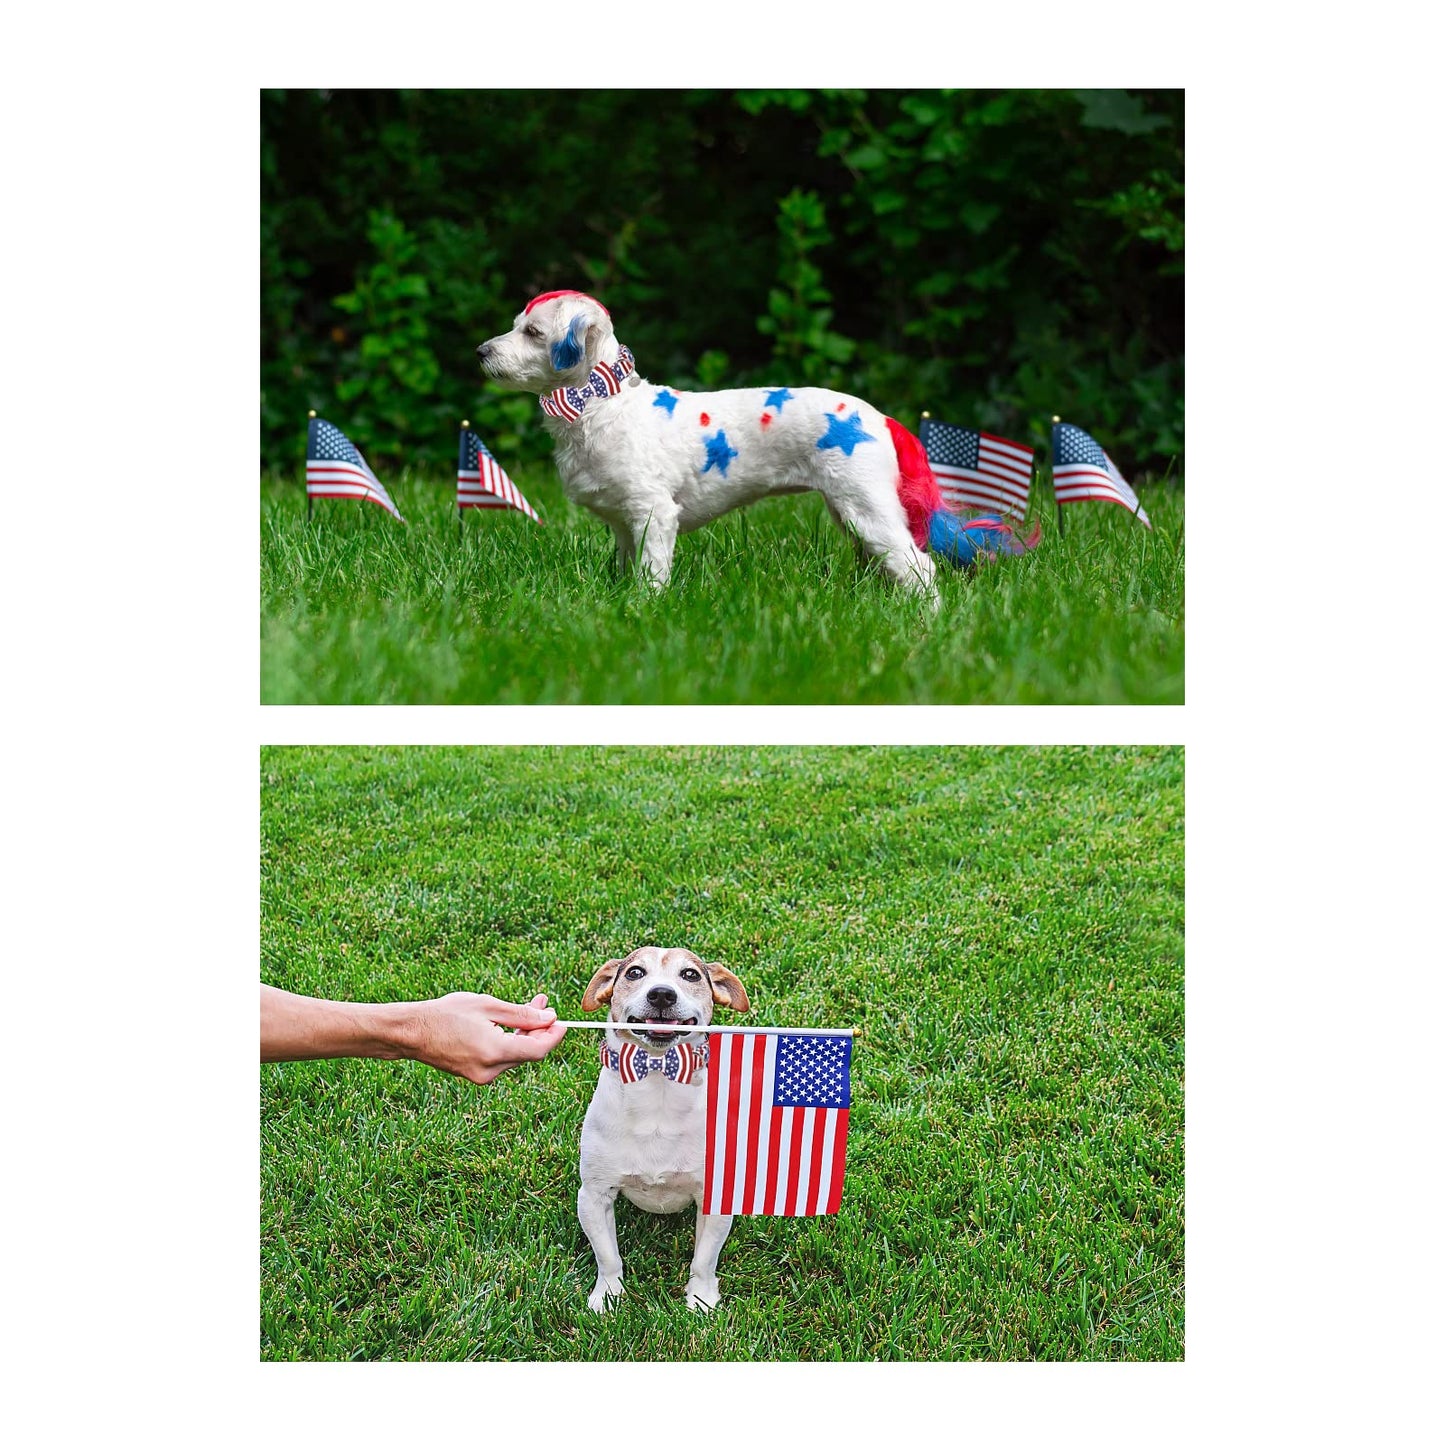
(1002, 479)
(490, 486)
(687, 1062)
(1083, 482)
(764, 1158)
(345, 479)
(557, 405)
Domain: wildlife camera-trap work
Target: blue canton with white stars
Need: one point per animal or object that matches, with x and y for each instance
(1074, 444)
(719, 453)
(950, 446)
(666, 400)
(812, 1071)
(777, 398)
(329, 444)
(472, 450)
(844, 434)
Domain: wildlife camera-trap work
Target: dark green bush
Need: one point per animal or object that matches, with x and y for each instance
(995, 257)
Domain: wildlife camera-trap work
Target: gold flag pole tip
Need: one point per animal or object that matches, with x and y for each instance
(310, 413)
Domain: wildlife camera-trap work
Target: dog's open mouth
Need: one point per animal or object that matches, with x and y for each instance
(660, 1036)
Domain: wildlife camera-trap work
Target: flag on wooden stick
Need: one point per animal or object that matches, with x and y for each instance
(978, 469)
(481, 482)
(1083, 472)
(777, 1122)
(334, 468)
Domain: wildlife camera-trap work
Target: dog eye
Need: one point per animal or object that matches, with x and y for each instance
(636, 971)
(691, 975)
(533, 333)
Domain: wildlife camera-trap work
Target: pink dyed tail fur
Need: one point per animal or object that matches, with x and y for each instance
(919, 492)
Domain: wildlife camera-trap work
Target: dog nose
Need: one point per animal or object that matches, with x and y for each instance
(662, 997)
(484, 350)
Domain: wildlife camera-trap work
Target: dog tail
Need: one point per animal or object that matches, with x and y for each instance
(936, 529)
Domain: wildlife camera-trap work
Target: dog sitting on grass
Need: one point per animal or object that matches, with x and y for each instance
(645, 1133)
(654, 462)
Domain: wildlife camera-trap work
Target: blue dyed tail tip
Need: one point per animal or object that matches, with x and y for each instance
(964, 539)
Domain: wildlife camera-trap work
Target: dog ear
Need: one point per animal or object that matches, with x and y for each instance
(600, 989)
(727, 987)
(567, 352)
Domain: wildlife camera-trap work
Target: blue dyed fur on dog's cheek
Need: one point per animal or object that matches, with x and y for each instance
(568, 352)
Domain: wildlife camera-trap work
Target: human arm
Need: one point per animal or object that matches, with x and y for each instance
(461, 1033)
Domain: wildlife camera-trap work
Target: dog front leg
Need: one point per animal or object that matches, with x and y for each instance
(702, 1286)
(597, 1214)
(626, 551)
(656, 540)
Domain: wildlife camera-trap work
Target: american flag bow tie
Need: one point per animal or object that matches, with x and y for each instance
(568, 403)
(679, 1064)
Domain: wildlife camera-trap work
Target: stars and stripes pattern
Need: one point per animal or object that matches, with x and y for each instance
(568, 403)
(978, 469)
(334, 468)
(777, 1123)
(482, 483)
(1083, 472)
(680, 1064)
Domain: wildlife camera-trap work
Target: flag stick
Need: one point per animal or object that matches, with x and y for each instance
(1058, 505)
(697, 1028)
(466, 426)
(311, 415)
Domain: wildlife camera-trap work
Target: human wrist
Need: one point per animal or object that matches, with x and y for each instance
(398, 1031)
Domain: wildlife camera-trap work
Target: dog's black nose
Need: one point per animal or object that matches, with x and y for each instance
(484, 350)
(661, 996)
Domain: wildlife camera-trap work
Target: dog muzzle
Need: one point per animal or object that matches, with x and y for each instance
(680, 1064)
(568, 403)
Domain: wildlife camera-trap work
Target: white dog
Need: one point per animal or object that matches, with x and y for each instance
(653, 462)
(646, 1129)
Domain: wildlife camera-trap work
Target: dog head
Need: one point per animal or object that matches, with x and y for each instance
(556, 340)
(663, 985)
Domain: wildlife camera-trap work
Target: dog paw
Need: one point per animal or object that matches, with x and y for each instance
(702, 1294)
(600, 1300)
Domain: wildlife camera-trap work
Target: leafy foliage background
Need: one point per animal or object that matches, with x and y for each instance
(993, 256)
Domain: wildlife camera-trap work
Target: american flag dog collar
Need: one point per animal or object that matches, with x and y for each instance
(568, 403)
(679, 1064)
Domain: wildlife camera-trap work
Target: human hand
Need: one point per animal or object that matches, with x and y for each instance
(466, 1034)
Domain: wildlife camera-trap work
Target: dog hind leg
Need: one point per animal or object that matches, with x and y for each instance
(702, 1285)
(597, 1214)
(884, 536)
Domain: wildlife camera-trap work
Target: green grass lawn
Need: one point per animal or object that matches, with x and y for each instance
(767, 605)
(1006, 925)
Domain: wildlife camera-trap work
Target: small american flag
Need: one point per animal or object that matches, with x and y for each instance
(334, 468)
(777, 1123)
(481, 482)
(1084, 473)
(977, 469)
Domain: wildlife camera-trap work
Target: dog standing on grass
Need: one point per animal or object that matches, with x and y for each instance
(653, 462)
(645, 1134)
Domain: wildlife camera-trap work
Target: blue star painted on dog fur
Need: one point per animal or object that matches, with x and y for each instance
(777, 398)
(843, 434)
(719, 453)
(666, 400)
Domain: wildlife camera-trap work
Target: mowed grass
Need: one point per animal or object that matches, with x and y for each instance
(1005, 924)
(767, 605)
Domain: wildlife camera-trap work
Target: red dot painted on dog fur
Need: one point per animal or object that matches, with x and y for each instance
(841, 405)
(766, 419)
(704, 419)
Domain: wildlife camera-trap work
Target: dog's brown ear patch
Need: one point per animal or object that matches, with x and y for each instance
(727, 988)
(600, 989)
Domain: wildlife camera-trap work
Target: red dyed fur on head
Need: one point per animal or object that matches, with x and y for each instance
(917, 486)
(552, 295)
